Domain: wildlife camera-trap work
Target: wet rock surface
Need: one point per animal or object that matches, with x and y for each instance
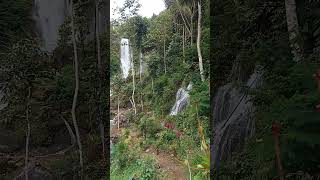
(233, 118)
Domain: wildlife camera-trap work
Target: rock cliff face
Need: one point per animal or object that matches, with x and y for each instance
(49, 15)
(233, 118)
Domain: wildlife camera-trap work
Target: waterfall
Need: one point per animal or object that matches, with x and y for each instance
(233, 118)
(125, 57)
(3, 104)
(182, 100)
(49, 15)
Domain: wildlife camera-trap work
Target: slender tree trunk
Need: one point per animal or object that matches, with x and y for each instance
(191, 23)
(183, 18)
(27, 134)
(99, 79)
(76, 91)
(140, 63)
(118, 112)
(190, 175)
(191, 33)
(183, 44)
(152, 85)
(141, 100)
(152, 93)
(133, 84)
(293, 30)
(199, 41)
(72, 136)
(276, 134)
(164, 56)
(132, 106)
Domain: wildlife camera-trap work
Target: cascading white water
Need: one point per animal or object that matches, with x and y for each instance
(233, 118)
(182, 100)
(49, 15)
(2, 103)
(125, 57)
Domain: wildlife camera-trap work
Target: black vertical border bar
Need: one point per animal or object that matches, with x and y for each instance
(107, 80)
(211, 86)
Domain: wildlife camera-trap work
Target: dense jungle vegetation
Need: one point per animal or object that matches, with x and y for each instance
(57, 107)
(148, 139)
(260, 32)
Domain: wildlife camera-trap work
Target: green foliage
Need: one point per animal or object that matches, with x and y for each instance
(149, 126)
(164, 89)
(121, 158)
(126, 164)
(294, 108)
(15, 22)
(6, 168)
(160, 40)
(63, 168)
(27, 67)
(142, 168)
(255, 32)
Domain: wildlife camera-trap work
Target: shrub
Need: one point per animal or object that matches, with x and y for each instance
(149, 126)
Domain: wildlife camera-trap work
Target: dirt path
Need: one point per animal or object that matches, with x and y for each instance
(173, 168)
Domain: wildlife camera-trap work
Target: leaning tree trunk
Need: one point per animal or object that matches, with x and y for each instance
(99, 80)
(198, 42)
(72, 136)
(118, 114)
(133, 84)
(140, 64)
(183, 44)
(76, 91)
(164, 55)
(140, 74)
(293, 29)
(183, 18)
(27, 134)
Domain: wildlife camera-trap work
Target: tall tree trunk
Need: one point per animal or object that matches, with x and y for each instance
(191, 33)
(293, 30)
(199, 41)
(76, 91)
(141, 100)
(152, 93)
(191, 23)
(183, 18)
(140, 64)
(133, 84)
(27, 134)
(152, 85)
(164, 56)
(99, 79)
(183, 44)
(118, 114)
(276, 133)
